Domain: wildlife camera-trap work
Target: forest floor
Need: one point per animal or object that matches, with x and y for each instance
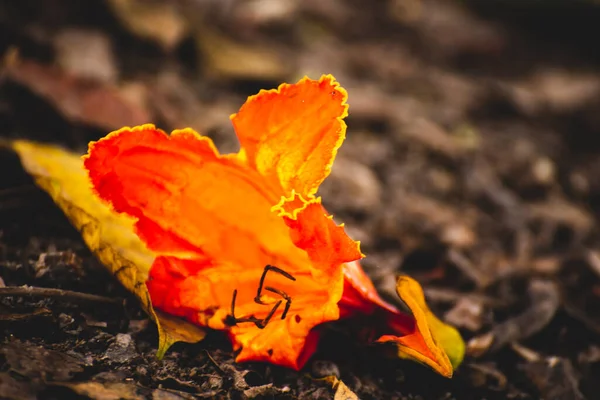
(471, 163)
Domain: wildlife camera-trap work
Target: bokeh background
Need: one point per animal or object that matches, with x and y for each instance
(471, 160)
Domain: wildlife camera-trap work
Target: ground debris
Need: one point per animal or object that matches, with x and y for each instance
(15, 389)
(37, 362)
(158, 21)
(7, 316)
(122, 349)
(480, 372)
(238, 382)
(467, 313)
(555, 378)
(545, 300)
(264, 390)
(115, 391)
(30, 291)
(78, 99)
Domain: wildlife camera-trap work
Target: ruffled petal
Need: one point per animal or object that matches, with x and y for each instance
(190, 202)
(291, 135)
(314, 231)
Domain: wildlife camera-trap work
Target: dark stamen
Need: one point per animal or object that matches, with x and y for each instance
(264, 322)
(232, 320)
(288, 299)
(268, 268)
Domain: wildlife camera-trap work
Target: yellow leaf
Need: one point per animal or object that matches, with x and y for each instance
(443, 340)
(110, 236)
(342, 392)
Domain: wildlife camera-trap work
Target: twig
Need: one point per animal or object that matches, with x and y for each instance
(215, 364)
(32, 291)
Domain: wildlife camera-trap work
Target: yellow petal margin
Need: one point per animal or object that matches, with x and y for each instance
(110, 236)
(441, 338)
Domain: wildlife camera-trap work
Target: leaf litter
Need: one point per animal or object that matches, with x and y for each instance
(498, 191)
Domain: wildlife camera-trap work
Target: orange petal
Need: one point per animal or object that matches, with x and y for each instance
(428, 340)
(315, 294)
(190, 201)
(360, 294)
(313, 230)
(202, 292)
(291, 134)
(288, 342)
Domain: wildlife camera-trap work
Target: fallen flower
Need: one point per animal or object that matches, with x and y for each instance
(215, 221)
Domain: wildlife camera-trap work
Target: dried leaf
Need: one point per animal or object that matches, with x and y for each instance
(16, 389)
(119, 390)
(228, 59)
(80, 100)
(38, 363)
(86, 53)
(342, 392)
(108, 234)
(156, 20)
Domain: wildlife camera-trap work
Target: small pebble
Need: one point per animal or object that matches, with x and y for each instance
(122, 349)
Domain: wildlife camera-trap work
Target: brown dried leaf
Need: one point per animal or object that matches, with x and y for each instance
(86, 53)
(159, 21)
(119, 390)
(228, 59)
(39, 363)
(80, 100)
(15, 389)
(342, 392)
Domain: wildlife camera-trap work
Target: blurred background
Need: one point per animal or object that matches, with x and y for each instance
(471, 160)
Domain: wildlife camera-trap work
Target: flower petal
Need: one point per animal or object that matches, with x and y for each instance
(202, 293)
(190, 202)
(430, 341)
(360, 293)
(313, 230)
(292, 134)
(288, 342)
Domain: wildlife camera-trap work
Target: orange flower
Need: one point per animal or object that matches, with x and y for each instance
(216, 221)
